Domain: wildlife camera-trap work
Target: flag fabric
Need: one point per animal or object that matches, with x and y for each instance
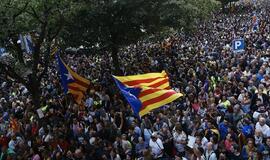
(26, 43)
(29, 44)
(241, 140)
(72, 82)
(2, 51)
(247, 130)
(14, 125)
(223, 130)
(146, 92)
(54, 51)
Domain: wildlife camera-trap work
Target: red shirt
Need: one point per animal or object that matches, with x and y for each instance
(228, 145)
(4, 141)
(196, 106)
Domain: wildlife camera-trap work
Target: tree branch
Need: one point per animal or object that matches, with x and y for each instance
(35, 15)
(50, 38)
(61, 19)
(20, 11)
(36, 54)
(57, 32)
(11, 73)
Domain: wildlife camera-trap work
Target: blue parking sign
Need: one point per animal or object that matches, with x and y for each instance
(238, 45)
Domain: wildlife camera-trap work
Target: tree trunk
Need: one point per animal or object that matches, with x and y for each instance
(34, 89)
(223, 7)
(36, 99)
(116, 64)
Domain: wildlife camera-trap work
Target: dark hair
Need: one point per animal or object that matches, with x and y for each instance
(201, 150)
(153, 137)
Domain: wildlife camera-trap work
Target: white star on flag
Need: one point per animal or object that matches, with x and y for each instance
(69, 76)
(132, 95)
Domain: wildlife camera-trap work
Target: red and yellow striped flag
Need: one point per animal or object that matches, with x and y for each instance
(72, 82)
(154, 91)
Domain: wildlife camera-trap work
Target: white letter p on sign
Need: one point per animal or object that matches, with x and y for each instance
(237, 44)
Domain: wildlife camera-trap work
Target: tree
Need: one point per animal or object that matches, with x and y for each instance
(44, 19)
(112, 24)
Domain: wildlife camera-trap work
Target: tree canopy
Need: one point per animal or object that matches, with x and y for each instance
(43, 19)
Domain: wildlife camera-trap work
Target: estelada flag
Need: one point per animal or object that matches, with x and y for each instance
(146, 92)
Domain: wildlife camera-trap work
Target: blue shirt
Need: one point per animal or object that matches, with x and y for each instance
(140, 147)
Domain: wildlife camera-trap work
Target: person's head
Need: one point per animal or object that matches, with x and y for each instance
(262, 121)
(198, 140)
(154, 136)
(261, 108)
(124, 137)
(164, 129)
(118, 138)
(209, 146)
(250, 143)
(58, 155)
(258, 102)
(78, 153)
(198, 151)
(222, 156)
(209, 124)
(236, 108)
(178, 128)
(268, 141)
(229, 137)
(258, 133)
(69, 154)
(261, 72)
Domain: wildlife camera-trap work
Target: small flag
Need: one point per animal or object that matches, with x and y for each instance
(72, 82)
(29, 44)
(26, 43)
(255, 23)
(2, 51)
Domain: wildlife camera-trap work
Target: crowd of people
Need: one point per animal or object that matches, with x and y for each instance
(224, 113)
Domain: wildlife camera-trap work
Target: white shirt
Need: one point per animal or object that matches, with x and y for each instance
(204, 143)
(178, 138)
(210, 156)
(89, 102)
(257, 114)
(12, 145)
(156, 147)
(264, 129)
(147, 134)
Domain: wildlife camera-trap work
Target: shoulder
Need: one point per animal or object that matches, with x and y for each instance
(151, 142)
(159, 140)
(213, 155)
